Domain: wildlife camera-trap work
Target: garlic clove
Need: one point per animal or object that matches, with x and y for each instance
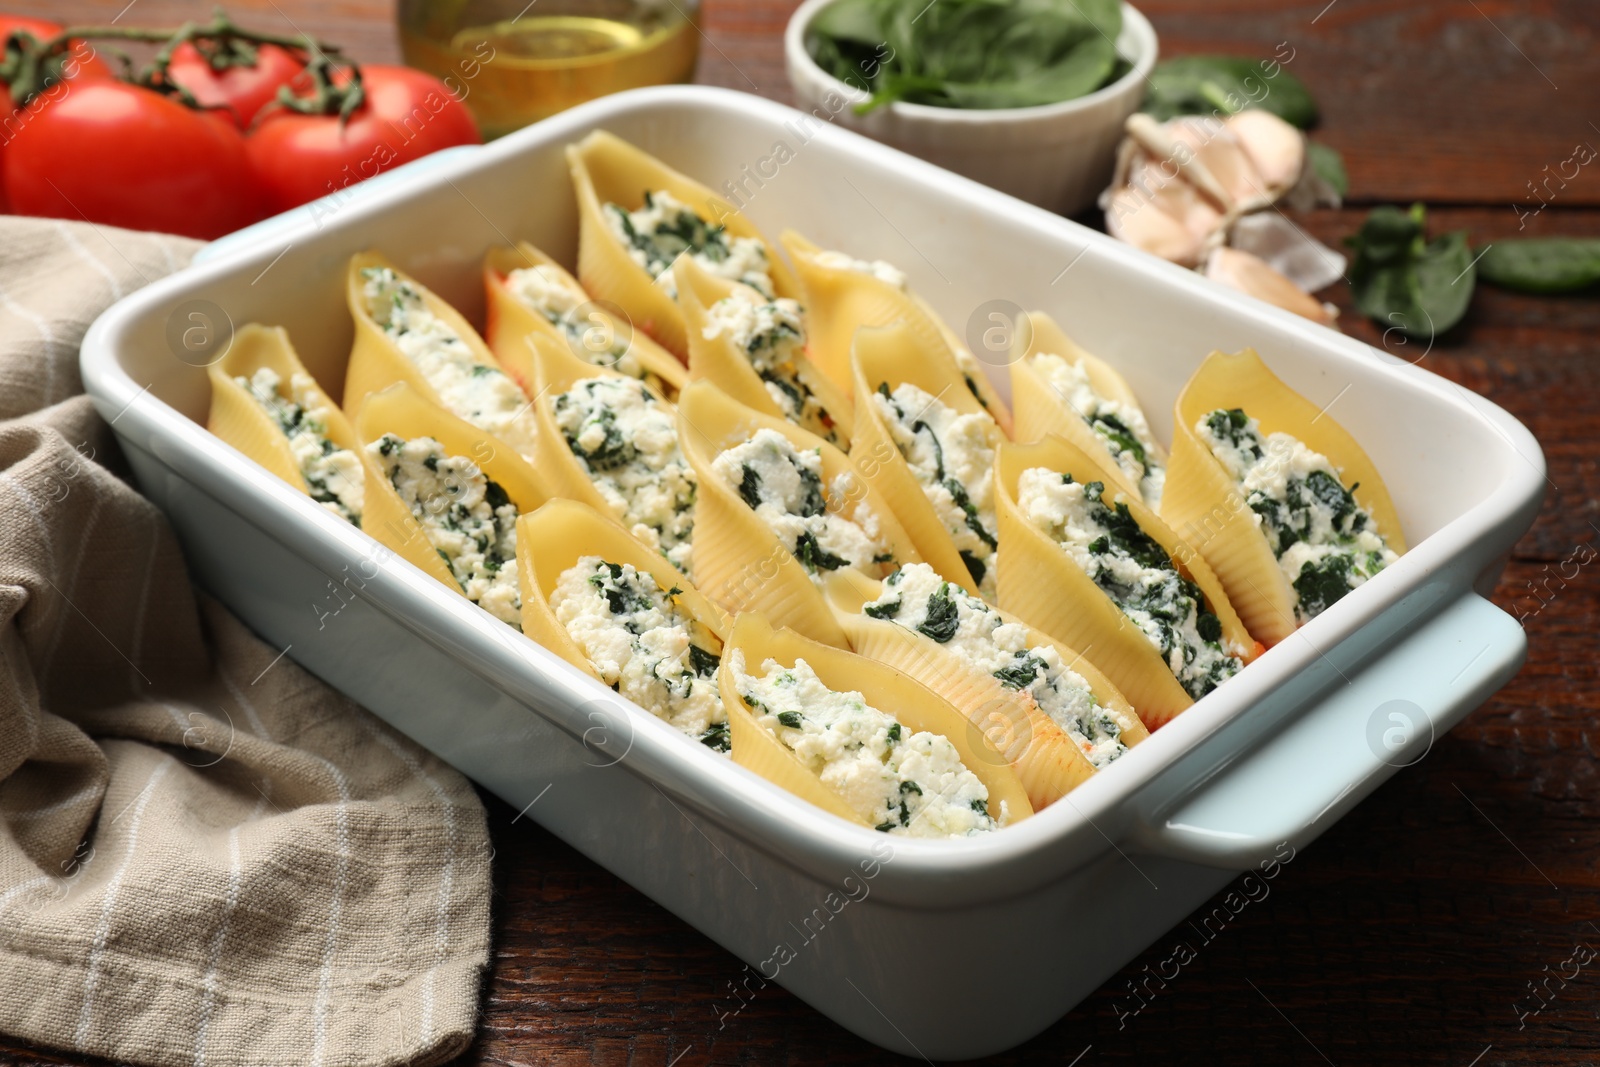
(1276, 149)
(1251, 275)
(1164, 215)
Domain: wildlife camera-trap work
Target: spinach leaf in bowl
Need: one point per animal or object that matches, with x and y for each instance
(969, 53)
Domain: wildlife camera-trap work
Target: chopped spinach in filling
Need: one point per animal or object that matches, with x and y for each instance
(545, 293)
(772, 337)
(951, 455)
(1137, 574)
(333, 474)
(643, 644)
(783, 486)
(481, 394)
(1121, 427)
(468, 518)
(665, 228)
(894, 779)
(1325, 542)
(916, 598)
(627, 441)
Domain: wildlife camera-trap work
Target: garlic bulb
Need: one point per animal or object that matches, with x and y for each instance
(1196, 186)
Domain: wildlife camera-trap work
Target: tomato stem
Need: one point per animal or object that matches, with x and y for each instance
(220, 28)
(327, 97)
(28, 66)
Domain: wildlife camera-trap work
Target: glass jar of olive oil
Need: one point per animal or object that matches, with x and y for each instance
(514, 61)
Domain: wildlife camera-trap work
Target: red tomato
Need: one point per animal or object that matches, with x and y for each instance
(406, 115)
(118, 154)
(243, 91)
(80, 62)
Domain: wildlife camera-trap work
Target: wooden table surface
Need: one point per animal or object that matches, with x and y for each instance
(1412, 931)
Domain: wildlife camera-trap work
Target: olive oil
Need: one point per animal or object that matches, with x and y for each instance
(514, 62)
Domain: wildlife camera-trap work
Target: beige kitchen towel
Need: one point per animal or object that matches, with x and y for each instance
(206, 855)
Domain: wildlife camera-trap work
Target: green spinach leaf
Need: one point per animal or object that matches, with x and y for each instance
(1329, 165)
(1542, 265)
(1401, 279)
(969, 53)
(1205, 85)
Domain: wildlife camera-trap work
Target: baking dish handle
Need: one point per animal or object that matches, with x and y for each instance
(1303, 778)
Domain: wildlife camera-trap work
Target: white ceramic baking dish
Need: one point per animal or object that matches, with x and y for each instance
(938, 949)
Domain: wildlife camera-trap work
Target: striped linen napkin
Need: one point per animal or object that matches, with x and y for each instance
(206, 855)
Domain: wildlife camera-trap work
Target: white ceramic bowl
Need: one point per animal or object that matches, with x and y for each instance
(1058, 156)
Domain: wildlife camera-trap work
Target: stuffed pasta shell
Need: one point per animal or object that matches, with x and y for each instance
(608, 440)
(860, 739)
(1049, 711)
(603, 602)
(779, 510)
(636, 215)
(445, 496)
(753, 349)
(265, 404)
(1090, 565)
(928, 445)
(527, 292)
(1279, 498)
(1057, 387)
(842, 294)
(405, 333)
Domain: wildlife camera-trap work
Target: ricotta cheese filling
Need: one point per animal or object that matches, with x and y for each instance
(481, 394)
(643, 645)
(952, 457)
(627, 441)
(772, 337)
(899, 782)
(783, 486)
(916, 598)
(1134, 570)
(546, 294)
(332, 474)
(1121, 427)
(877, 268)
(666, 227)
(468, 519)
(1325, 542)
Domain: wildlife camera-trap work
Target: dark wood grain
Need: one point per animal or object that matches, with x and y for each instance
(1408, 932)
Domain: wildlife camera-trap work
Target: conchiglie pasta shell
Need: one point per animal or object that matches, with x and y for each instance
(555, 371)
(1039, 410)
(894, 355)
(1204, 502)
(606, 169)
(916, 707)
(375, 362)
(739, 562)
(1041, 584)
(840, 301)
(406, 413)
(510, 323)
(1049, 763)
(725, 365)
(236, 417)
(553, 539)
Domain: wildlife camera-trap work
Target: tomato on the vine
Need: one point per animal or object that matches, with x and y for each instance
(243, 82)
(402, 115)
(78, 63)
(127, 156)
